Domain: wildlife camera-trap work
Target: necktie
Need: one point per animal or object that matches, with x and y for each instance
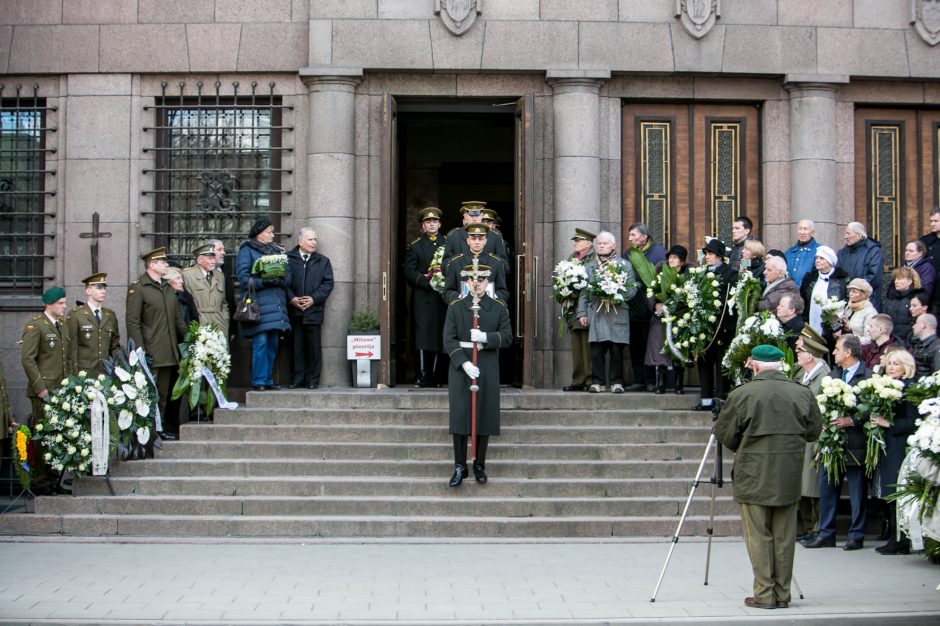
(845, 375)
(209, 278)
(306, 257)
(98, 316)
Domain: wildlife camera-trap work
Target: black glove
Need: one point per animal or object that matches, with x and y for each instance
(273, 282)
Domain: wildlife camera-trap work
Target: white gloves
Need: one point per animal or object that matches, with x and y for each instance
(470, 369)
(477, 335)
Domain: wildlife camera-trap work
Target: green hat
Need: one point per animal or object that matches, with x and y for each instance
(477, 229)
(583, 235)
(429, 213)
(207, 249)
(815, 348)
(472, 205)
(153, 255)
(52, 295)
(769, 354)
(96, 279)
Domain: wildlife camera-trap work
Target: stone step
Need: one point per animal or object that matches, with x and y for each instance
(285, 506)
(208, 526)
(389, 487)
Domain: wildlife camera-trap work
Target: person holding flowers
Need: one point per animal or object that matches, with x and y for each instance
(603, 307)
(823, 285)
(644, 255)
(572, 274)
(261, 266)
(859, 310)
(423, 264)
(669, 372)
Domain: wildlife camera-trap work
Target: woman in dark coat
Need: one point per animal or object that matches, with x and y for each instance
(188, 311)
(272, 302)
(668, 373)
(915, 257)
(904, 284)
(898, 365)
(834, 285)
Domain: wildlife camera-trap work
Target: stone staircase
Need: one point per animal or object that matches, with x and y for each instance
(375, 463)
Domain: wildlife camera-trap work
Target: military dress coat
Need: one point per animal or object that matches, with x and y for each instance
(91, 342)
(153, 320)
(606, 323)
(208, 295)
(45, 355)
(810, 487)
(494, 321)
(453, 279)
(767, 423)
(427, 305)
(456, 243)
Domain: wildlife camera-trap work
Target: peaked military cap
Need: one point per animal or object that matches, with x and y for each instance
(52, 295)
(206, 249)
(155, 254)
(96, 279)
(472, 205)
(766, 353)
(477, 229)
(583, 235)
(429, 213)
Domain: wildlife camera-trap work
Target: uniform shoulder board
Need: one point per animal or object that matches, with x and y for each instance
(414, 242)
(453, 230)
(501, 302)
(76, 309)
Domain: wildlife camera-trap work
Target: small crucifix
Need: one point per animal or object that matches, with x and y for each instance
(94, 235)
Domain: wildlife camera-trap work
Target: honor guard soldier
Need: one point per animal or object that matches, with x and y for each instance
(456, 242)
(477, 237)
(466, 342)
(93, 328)
(46, 361)
(427, 305)
(154, 322)
(207, 287)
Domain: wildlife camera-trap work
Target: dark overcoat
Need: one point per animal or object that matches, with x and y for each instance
(453, 280)
(855, 438)
(897, 305)
(905, 423)
(91, 342)
(456, 243)
(724, 332)
(864, 259)
(767, 423)
(427, 305)
(314, 279)
(494, 320)
(153, 320)
(272, 301)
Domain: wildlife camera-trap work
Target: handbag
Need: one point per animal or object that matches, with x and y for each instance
(247, 310)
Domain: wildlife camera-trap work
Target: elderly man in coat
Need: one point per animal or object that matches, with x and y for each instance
(767, 423)
(311, 283)
(609, 324)
(862, 257)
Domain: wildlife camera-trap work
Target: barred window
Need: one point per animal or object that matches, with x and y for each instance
(217, 166)
(23, 192)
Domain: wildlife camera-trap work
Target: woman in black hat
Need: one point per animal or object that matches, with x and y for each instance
(668, 373)
(271, 297)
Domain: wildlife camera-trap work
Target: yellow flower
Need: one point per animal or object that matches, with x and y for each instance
(21, 445)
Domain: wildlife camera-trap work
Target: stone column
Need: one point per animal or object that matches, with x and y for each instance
(576, 155)
(813, 154)
(331, 169)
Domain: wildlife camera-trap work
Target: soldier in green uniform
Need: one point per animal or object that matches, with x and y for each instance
(456, 242)
(477, 239)
(207, 287)
(154, 323)
(93, 328)
(493, 333)
(583, 243)
(45, 357)
(767, 423)
(427, 306)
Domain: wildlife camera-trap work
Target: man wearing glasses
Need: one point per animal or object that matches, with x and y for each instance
(93, 328)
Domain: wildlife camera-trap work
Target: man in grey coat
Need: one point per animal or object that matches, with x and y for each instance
(609, 323)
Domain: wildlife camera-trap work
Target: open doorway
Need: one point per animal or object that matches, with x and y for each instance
(450, 151)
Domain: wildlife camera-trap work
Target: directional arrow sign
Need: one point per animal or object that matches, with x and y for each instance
(363, 347)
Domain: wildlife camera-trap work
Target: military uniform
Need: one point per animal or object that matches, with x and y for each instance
(767, 423)
(580, 347)
(6, 414)
(453, 284)
(427, 305)
(94, 338)
(456, 240)
(208, 292)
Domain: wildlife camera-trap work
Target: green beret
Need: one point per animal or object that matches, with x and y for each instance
(767, 353)
(52, 295)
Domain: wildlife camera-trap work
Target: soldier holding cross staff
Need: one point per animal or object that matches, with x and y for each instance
(475, 328)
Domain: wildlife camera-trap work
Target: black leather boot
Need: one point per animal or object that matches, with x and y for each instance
(679, 374)
(422, 379)
(660, 380)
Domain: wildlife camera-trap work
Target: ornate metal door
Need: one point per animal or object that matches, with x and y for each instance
(526, 270)
(388, 228)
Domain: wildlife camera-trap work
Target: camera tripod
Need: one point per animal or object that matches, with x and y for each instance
(717, 481)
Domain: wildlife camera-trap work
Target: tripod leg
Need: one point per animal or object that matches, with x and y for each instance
(685, 511)
(711, 533)
(797, 585)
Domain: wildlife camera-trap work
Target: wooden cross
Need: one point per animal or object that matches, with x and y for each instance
(94, 235)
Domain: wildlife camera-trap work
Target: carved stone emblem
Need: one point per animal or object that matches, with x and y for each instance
(458, 15)
(925, 16)
(698, 16)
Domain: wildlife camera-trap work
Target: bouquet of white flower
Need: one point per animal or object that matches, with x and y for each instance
(568, 279)
(691, 314)
(831, 311)
(270, 266)
(836, 399)
(612, 284)
(763, 328)
(744, 296)
(877, 395)
(136, 397)
(919, 481)
(204, 349)
(925, 388)
(434, 269)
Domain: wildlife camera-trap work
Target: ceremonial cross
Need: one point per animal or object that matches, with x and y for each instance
(94, 235)
(475, 275)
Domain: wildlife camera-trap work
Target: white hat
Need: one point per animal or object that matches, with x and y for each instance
(827, 253)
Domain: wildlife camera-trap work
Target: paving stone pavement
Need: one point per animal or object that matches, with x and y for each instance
(73, 581)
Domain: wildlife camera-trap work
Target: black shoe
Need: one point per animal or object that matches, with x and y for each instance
(701, 407)
(257, 387)
(460, 471)
(478, 473)
(636, 387)
(312, 385)
(169, 437)
(885, 531)
(274, 387)
(895, 547)
(573, 388)
(295, 385)
(854, 544)
(829, 542)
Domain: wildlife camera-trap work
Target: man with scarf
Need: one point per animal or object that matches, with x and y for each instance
(644, 255)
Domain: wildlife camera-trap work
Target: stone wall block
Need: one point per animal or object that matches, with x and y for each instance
(213, 47)
(511, 10)
(583, 10)
(99, 85)
(881, 14)
(252, 11)
(845, 132)
(751, 12)
(407, 9)
(646, 11)
(411, 84)
(98, 128)
(924, 60)
(124, 48)
(625, 47)
(845, 204)
(96, 185)
(99, 11)
(650, 87)
(6, 39)
(863, 52)
(175, 11)
(512, 45)
(331, 184)
(333, 234)
(932, 93)
(775, 127)
(835, 13)
(112, 253)
(577, 132)
(300, 10)
(54, 49)
(456, 53)
(770, 49)
(812, 187)
(469, 85)
(31, 11)
(776, 195)
(399, 44)
(331, 129)
(862, 92)
(343, 9)
(725, 88)
(779, 236)
(321, 42)
(812, 128)
(273, 47)
(577, 181)
(697, 55)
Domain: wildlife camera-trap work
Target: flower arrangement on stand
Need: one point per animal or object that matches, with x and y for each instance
(568, 279)
(744, 296)
(919, 482)
(136, 401)
(19, 445)
(205, 357)
(877, 395)
(691, 314)
(763, 328)
(435, 271)
(836, 399)
(831, 311)
(612, 284)
(270, 266)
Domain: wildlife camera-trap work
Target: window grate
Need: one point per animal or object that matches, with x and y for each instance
(217, 165)
(23, 189)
